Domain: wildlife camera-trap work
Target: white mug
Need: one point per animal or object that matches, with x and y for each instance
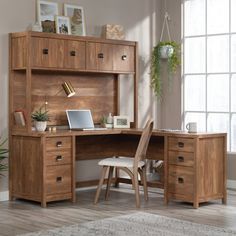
(192, 127)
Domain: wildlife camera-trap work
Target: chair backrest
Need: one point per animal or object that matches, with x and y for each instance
(143, 143)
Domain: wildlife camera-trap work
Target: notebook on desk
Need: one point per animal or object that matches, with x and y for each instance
(81, 120)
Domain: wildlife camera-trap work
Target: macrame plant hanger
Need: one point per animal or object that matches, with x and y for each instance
(165, 23)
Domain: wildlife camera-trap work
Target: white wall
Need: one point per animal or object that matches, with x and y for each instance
(141, 20)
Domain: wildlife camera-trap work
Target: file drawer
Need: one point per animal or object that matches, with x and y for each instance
(181, 180)
(58, 179)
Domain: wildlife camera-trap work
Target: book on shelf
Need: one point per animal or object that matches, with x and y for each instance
(19, 117)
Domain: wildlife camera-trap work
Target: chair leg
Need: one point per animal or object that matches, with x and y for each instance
(136, 188)
(109, 182)
(99, 188)
(145, 188)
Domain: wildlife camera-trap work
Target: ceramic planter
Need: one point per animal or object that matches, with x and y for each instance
(166, 51)
(40, 125)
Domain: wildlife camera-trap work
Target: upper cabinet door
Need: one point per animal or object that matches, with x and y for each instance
(123, 58)
(74, 55)
(47, 53)
(99, 56)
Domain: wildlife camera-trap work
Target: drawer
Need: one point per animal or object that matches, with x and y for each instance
(58, 143)
(59, 157)
(181, 158)
(181, 144)
(58, 179)
(180, 180)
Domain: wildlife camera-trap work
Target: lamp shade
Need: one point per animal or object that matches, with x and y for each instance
(68, 88)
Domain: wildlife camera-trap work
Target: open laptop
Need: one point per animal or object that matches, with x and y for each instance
(81, 120)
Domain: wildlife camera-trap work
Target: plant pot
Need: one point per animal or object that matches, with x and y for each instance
(166, 51)
(40, 125)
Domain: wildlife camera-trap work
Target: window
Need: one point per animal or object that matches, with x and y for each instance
(209, 66)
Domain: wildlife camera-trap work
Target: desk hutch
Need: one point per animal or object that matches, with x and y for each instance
(42, 165)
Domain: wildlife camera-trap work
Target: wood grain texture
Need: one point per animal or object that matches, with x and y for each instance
(26, 167)
(94, 92)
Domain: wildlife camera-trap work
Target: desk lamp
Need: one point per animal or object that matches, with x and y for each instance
(68, 89)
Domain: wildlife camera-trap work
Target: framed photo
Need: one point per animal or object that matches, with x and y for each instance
(46, 12)
(76, 14)
(121, 122)
(63, 25)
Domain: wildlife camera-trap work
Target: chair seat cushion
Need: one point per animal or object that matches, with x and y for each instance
(120, 162)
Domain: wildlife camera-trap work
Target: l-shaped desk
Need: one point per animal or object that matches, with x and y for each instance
(42, 165)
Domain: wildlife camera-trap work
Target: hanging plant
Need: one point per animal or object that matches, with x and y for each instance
(163, 50)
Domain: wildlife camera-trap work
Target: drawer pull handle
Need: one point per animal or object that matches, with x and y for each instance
(59, 179)
(73, 53)
(45, 51)
(59, 158)
(59, 144)
(181, 144)
(180, 159)
(124, 57)
(180, 180)
(100, 55)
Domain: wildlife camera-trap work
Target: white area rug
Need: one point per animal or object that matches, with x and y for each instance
(137, 224)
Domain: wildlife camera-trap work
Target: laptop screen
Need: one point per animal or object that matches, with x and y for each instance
(80, 119)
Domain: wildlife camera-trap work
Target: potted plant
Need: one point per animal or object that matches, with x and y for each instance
(3, 152)
(40, 117)
(163, 50)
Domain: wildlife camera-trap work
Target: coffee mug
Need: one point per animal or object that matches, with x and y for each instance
(192, 127)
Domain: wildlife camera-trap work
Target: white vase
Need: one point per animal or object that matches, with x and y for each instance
(166, 51)
(40, 125)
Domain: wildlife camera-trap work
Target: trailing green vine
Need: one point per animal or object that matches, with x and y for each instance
(173, 62)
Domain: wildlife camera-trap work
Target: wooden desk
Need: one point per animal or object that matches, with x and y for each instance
(42, 165)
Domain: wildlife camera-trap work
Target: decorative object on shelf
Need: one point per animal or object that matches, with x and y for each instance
(63, 25)
(40, 118)
(19, 117)
(113, 32)
(121, 122)
(76, 15)
(46, 12)
(3, 152)
(169, 51)
(36, 27)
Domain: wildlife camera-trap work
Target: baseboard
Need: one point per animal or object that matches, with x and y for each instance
(4, 196)
(231, 184)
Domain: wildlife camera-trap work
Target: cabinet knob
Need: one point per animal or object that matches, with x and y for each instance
(100, 55)
(59, 144)
(59, 158)
(59, 179)
(180, 159)
(124, 57)
(180, 180)
(181, 144)
(45, 51)
(73, 53)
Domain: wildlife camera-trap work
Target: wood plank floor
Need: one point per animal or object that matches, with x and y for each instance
(20, 216)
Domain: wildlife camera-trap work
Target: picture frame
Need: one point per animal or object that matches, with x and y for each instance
(121, 122)
(76, 15)
(46, 12)
(62, 25)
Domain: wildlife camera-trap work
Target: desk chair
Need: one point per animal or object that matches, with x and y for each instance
(132, 166)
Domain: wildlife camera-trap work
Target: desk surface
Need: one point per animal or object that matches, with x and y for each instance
(155, 132)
